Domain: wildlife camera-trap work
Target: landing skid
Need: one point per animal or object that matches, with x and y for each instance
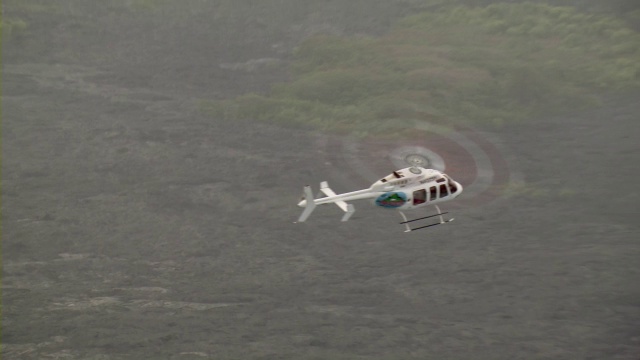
(439, 214)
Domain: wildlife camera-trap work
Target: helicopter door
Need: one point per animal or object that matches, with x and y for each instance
(419, 197)
(433, 193)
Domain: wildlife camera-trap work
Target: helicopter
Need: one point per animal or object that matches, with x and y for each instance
(410, 188)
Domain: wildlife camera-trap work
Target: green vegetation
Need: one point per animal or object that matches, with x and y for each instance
(495, 64)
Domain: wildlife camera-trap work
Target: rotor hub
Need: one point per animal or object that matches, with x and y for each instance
(417, 160)
(416, 156)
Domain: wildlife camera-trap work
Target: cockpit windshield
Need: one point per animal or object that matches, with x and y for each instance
(452, 184)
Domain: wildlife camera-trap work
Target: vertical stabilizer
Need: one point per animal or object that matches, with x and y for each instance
(310, 204)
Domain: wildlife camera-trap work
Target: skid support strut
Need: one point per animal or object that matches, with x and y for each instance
(439, 214)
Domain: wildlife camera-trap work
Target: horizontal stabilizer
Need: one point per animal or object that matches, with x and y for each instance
(347, 208)
(324, 187)
(347, 214)
(309, 203)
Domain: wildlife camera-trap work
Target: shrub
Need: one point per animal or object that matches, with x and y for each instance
(499, 63)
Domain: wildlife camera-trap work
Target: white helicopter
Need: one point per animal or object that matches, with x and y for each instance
(405, 189)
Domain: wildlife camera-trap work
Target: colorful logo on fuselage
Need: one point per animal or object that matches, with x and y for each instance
(391, 199)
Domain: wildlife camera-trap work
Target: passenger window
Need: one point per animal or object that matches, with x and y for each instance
(419, 197)
(443, 190)
(433, 194)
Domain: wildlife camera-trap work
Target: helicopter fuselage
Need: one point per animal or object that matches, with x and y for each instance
(405, 189)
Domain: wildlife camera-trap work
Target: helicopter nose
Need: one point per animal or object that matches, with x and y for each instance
(302, 203)
(460, 188)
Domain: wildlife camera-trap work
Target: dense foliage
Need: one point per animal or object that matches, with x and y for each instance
(497, 63)
(493, 63)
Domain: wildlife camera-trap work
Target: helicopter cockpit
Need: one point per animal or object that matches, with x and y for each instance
(451, 184)
(444, 186)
